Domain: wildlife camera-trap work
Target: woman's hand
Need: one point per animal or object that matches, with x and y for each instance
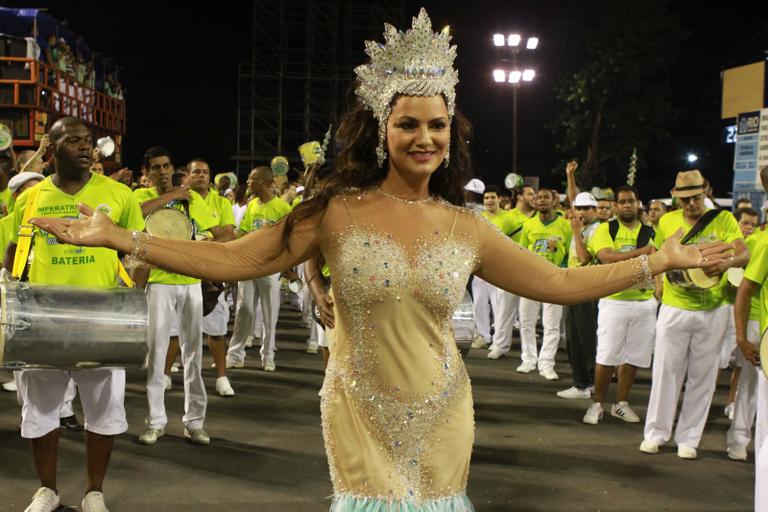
(325, 306)
(93, 229)
(673, 255)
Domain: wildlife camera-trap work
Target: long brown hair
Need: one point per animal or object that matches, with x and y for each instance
(356, 166)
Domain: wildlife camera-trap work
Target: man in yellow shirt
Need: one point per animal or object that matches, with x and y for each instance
(507, 304)
(626, 320)
(690, 326)
(484, 293)
(549, 236)
(102, 390)
(215, 323)
(172, 296)
(264, 210)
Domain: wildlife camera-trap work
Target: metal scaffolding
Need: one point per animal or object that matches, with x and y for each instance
(296, 82)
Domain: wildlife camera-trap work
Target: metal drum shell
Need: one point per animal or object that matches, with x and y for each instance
(67, 327)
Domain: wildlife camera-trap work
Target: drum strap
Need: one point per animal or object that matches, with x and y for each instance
(702, 223)
(27, 233)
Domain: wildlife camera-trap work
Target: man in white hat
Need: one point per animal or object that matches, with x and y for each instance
(690, 326)
(581, 319)
(626, 320)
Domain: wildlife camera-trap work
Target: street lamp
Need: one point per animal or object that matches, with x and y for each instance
(692, 158)
(515, 76)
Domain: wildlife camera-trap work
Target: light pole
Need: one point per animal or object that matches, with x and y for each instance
(514, 76)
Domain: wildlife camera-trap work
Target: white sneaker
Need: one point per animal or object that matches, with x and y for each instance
(167, 382)
(729, 409)
(479, 342)
(197, 436)
(44, 500)
(223, 387)
(686, 452)
(230, 364)
(249, 342)
(526, 368)
(649, 447)
(623, 411)
(549, 374)
(10, 386)
(94, 502)
(495, 354)
(175, 368)
(594, 414)
(737, 453)
(574, 393)
(312, 348)
(151, 435)
(268, 365)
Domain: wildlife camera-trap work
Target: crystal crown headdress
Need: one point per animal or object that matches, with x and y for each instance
(417, 62)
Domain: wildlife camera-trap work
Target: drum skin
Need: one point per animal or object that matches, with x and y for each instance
(169, 223)
(67, 327)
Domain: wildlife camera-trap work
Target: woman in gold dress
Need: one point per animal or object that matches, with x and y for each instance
(396, 403)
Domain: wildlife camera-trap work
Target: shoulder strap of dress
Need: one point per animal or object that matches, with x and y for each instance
(455, 217)
(349, 211)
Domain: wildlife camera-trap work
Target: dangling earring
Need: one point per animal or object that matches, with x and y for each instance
(447, 159)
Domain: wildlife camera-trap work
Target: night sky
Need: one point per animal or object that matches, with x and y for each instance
(179, 67)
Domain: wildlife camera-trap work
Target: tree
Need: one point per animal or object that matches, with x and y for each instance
(615, 87)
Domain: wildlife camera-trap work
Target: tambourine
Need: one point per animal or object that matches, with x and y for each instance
(692, 278)
(169, 223)
(735, 276)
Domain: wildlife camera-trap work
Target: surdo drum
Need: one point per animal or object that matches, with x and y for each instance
(65, 327)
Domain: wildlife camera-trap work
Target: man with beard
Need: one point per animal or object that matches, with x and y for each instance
(549, 236)
(581, 319)
(484, 295)
(690, 326)
(626, 320)
(176, 296)
(102, 390)
(508, 304)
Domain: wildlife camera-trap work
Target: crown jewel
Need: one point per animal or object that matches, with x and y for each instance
(417, 62)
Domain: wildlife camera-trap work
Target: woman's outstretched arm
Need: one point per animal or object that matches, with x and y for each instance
(507, 265)
(258, 254)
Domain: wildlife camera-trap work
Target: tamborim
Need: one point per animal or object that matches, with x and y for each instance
(66, 327)
(692, 278)
(169, 223)
(735, 275)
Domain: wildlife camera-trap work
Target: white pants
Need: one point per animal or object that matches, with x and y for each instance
(745, 406)
(102, 393)
(264, 291)
(186, 301)
(625, 332)
(551, 314)
(66, 406)
(728, 354)
(215, 322)
(688, 347)
(761, 450)
(507, 305)
(484, 300)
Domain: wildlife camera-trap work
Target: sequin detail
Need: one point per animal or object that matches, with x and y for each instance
(373, 272)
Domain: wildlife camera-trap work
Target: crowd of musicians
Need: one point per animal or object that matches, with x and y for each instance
(687, 329)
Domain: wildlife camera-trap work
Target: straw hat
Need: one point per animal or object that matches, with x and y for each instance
(688, 183)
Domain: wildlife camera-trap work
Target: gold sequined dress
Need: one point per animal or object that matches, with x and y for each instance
(396, 402)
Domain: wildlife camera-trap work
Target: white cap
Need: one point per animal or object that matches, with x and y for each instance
(300, 189)
(20, 179)
(585, 199)
(475, 185)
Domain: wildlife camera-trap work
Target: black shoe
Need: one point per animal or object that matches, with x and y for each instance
(71, 424)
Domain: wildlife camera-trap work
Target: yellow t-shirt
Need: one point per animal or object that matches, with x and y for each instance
(259, 215)
(6, 199)
(6, 226)
(626, 240)
(586, 235)
(537, 237)
(723, 227)
(202, 220)
(221, 208)
(56, 263)
(752, 242)
(518, 219)
(501, 220)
